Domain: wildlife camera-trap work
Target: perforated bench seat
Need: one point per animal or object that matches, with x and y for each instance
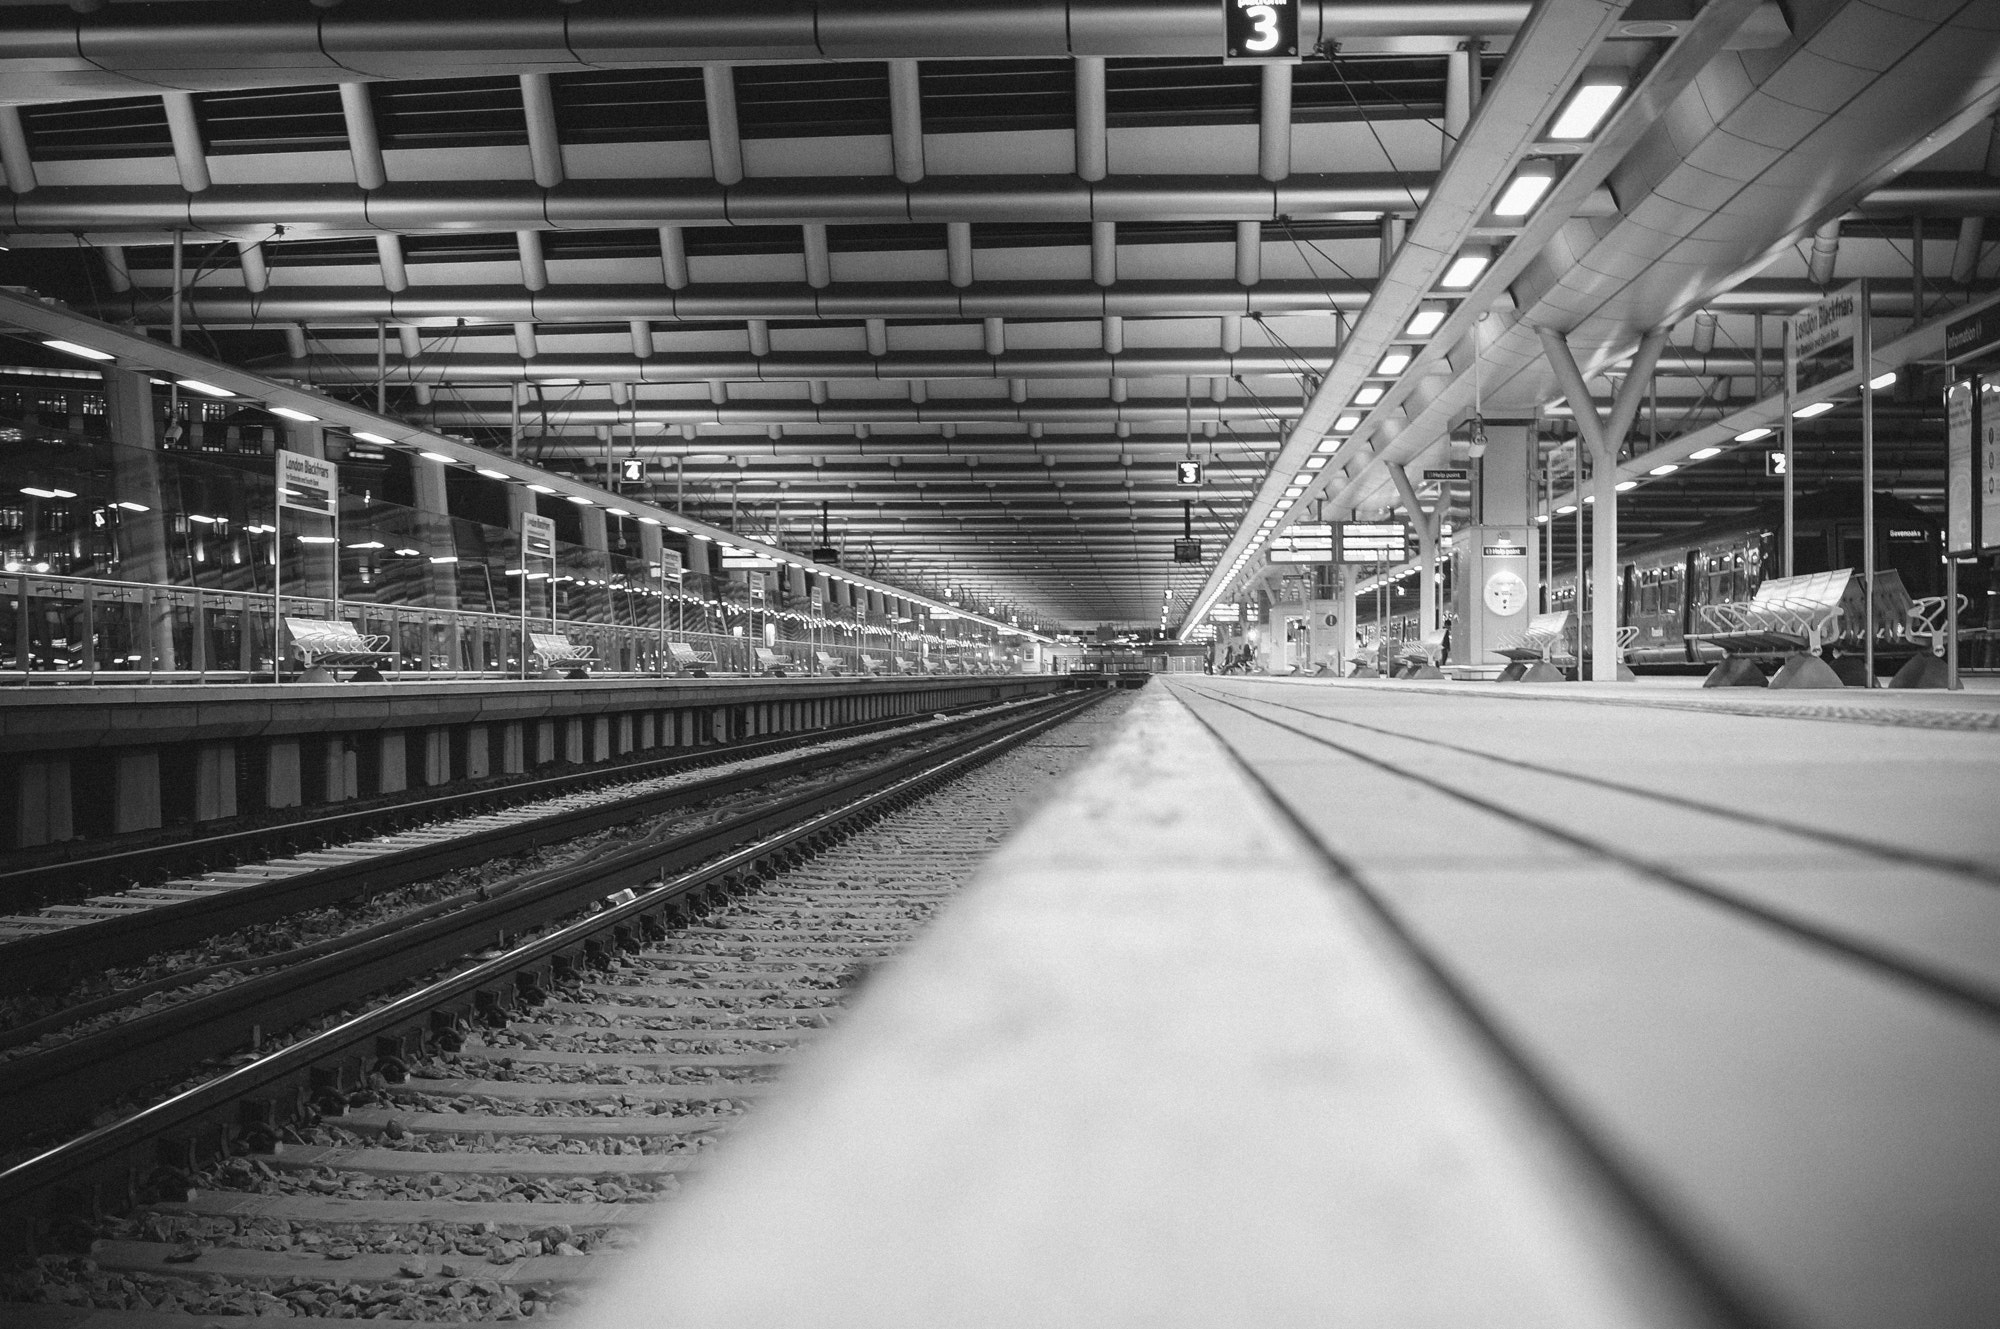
(324, 643)
(688, 658)
(1546, 638)
(556, 651)
(1784, 616)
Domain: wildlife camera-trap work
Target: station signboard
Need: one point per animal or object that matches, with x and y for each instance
(1447, 473)
(1306, 542)
(538, 535)
(308, 484)
(1374, 541)
(1825, 339)
(1260, 30)
(670, 565)
(1187, 472)
(1973, 333)
(1187, 551)
(1226, 613)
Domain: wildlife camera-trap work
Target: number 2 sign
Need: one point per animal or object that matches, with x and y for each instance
(1260, 29)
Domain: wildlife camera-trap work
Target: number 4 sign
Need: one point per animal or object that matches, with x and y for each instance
(1264, 30)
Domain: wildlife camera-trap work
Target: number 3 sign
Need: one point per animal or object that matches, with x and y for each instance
(1260, 29)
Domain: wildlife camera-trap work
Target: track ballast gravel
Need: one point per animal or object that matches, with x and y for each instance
(494, 1181)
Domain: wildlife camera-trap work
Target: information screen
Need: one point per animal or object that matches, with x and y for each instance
(1306, 542)
(1374, 541)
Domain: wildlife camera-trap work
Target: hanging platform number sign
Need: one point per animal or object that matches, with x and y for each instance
(1260, 30)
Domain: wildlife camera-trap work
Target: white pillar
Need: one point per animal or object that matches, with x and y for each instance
(1604, 438)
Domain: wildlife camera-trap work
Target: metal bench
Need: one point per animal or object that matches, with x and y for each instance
(328, 643)
(829, 664)
(689, 660)
(870, 664)
(1928, 622)
(555, 652)
(770, 662)
(1786, 618)
(1538, 653)
(1421, 658)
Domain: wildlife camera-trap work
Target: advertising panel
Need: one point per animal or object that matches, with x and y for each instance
(1961, 484)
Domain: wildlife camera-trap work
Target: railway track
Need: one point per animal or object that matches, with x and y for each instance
(356, 859)
(474, 1148)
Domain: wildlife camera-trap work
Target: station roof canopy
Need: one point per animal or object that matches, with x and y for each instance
(971, 278)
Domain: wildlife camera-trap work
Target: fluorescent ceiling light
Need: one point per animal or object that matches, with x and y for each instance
(1624, 485)
(1369, 395)
(1525, 190)
(1596, 93)
(1590, 498)
(1703, 454)
(1541, 519)
(541, 489)
(1465, 269)
(1881, 381)
(1329, 445)
(437, 456)
(1394, 363)
(678, 530)
(1347, 423)
(444, 558)
(315, 539)
(490, 474)
(32, 492)
(1427, 319)
(1294, 491)
(1808, 412)
(616, 512)
(1315, 463)
(375, 438)
(1667, 469)
(1565, 509)
(72, 348)
(207, 389)
(131, 507)
(291, 414)
(1747, 436)
(366, 544)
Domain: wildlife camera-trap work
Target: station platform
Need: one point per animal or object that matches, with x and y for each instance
(1383, 1004)
(85, 762)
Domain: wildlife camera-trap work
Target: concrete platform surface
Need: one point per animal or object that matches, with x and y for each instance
(1169, 1062)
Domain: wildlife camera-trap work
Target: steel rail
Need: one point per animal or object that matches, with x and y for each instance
(121, 1157)
(30, 961)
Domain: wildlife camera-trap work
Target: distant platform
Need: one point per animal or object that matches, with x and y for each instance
(1398, 1005)
(81, 716)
